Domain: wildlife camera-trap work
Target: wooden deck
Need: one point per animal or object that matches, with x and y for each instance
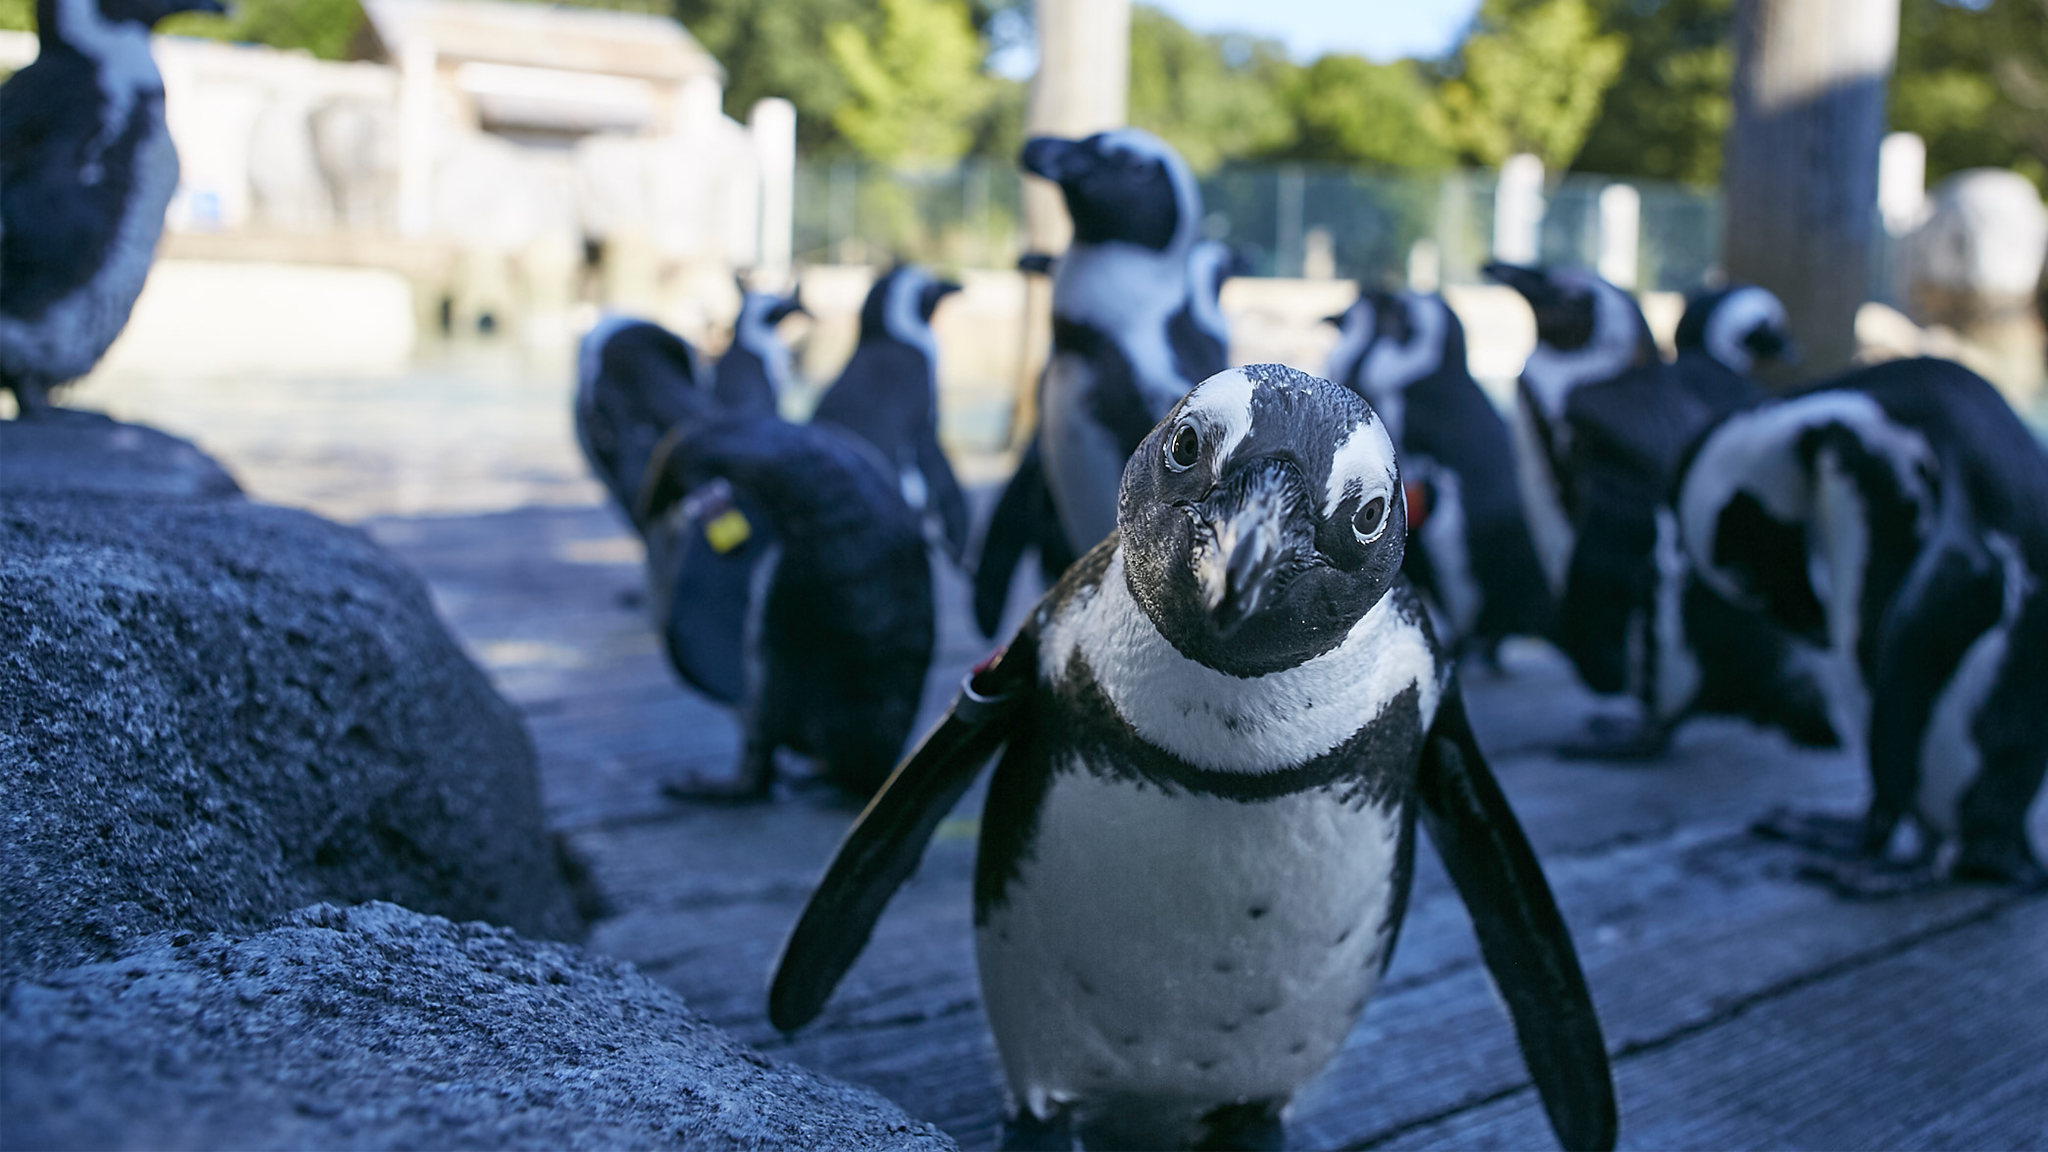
(1745, 1008)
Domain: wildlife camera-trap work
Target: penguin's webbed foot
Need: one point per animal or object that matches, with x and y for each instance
(1025, 1132)
(1618, 739)
(1871, 879)
(1845, 837)
(747, 788)
(1251, 1127)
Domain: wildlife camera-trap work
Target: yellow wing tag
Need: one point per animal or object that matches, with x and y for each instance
(727, 531)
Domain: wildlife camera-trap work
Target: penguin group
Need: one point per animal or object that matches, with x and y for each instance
(787, 563)
(87, 169)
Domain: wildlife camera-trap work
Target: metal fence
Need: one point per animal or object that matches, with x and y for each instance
(1285, 220)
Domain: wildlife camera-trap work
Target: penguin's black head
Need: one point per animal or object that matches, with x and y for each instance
(901, 303)
(1743, 327)
(1564, 306)
(1262, 519)
(144, 12)
(1127, 185)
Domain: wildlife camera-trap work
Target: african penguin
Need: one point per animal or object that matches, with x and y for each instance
(1405, 355)
(1129, 335)
(754, 373)
(634, 381)
(835, 631)
(1587, 332)
(87, 168)
(888, 394)
(1895, 521)
(1724, 336)
(1218, 730)
(1210, 263)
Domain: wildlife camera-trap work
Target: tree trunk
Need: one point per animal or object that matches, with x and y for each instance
(1800, 173)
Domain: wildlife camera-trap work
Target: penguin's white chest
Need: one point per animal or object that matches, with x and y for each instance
(1186, 947)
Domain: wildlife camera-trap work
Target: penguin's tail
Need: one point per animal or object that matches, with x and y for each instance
(1012, 528)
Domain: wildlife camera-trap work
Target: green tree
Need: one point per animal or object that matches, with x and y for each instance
(916, 83)
(1348, 110)
(326, 28)
(778, 49)
(1668, 110)
(1530, 78)
(1974, 82)
(1213, 97)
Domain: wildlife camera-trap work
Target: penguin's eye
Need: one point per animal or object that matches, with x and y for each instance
(1370, 520)
(1184, 448)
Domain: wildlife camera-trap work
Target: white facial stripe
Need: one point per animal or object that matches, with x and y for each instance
(1740, 313)
(122, 66)
(1394, 365)
(753, 333)
(903, 317)
(1228, 723)
(1363, 463)
(1222, 407)
(1553, 374)
(1205, 276)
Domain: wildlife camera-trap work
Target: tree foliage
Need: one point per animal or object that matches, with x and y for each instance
(1531, 78)
(1974, 82)
(1348, 110)
(917, 86)
(1213, 98)
(1668, 110)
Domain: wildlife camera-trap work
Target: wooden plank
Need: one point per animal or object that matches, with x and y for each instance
(1940, 1041)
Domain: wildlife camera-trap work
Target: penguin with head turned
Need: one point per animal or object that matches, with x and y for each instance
(1724, 337)
(1129, 338)
(1588, 332)
(1216, 732)
(888, 394)
(1470, 552)
(87, 168)
(1895, 521)
(788, 577)
(754, 373)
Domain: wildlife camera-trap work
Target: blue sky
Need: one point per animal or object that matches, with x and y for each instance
(1377, 29)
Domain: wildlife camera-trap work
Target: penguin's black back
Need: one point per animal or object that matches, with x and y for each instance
(883, 396)
(741, 384)
(59, 230)
(645, 384)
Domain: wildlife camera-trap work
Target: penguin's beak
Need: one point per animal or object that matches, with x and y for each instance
(1035, 263)
(937, 290)
(785, 309)
(1052, 157)
(1533, 285)
(1772, 344)
(213, 7)
(1251, 537)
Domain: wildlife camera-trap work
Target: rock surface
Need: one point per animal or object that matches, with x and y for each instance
(212, 712)
(376, 1027)
(74, 451)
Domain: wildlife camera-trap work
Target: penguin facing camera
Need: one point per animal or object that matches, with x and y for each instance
(1587, 332)
(87, 168)
(1895, 522)
(832, 640)
(1404, 353)
(1217, 732)
(1128, 340)
(888, 395)
(754, 374)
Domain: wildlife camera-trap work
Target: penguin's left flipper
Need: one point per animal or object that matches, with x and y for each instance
(1521, 934)
(885, 844)
(945, 495)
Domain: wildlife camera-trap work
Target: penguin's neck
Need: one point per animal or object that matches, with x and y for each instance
(118, 50)
(754, 337)
(1225, 723)
(1129, 293)
(903, 321)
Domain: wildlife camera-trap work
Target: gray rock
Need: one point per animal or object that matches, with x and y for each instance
(376, 1027)
(212, 712)
(85, 451)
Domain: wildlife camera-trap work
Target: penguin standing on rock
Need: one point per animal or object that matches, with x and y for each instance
(888, 395)
(754, 373)
(87, 168)
(1587, 332)
(1218, 730)
(1129, 338)
(1896, 521)
(1405, 355)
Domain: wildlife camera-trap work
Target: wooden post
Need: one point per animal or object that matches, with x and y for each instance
(1082, 87)
(1800, 169)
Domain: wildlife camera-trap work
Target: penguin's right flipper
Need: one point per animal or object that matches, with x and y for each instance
(884, 846)
(1522, 936)
(1009, 533)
